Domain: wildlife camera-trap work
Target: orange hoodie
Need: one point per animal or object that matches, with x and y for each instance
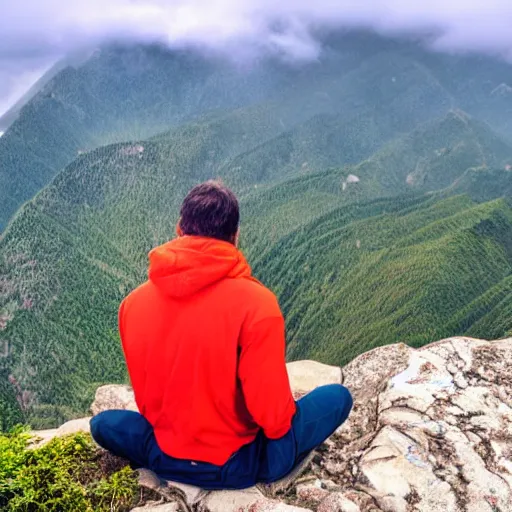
(205, 349)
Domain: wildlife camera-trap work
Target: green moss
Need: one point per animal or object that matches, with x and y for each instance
(67, 474)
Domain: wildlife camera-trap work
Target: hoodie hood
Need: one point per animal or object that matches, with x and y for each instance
(188, 264)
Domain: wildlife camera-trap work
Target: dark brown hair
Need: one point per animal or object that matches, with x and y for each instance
(211, 210)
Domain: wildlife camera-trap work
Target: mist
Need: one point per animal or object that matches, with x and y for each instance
(36, 34)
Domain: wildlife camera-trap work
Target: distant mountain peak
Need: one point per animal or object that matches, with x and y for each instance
(502, 90)
(459, 115)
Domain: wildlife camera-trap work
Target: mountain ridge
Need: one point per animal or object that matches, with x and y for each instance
(30, 154)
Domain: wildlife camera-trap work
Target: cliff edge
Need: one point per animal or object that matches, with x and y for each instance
(431, 430)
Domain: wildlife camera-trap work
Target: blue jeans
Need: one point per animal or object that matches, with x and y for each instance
(319, 413)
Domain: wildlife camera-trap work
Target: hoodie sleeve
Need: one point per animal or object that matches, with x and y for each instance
(133, 359)
(262, 373)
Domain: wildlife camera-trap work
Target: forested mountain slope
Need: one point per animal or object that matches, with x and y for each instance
(401, 269)
(373, 254)
(128, 93)
(117, 94)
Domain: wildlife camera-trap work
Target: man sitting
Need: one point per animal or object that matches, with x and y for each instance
(204, 343)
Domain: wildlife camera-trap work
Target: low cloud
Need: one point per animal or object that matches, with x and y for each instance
(36, 33)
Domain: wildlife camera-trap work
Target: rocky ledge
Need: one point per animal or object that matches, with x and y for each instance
(431, 430)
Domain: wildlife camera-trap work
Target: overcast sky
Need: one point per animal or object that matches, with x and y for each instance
(35, 33)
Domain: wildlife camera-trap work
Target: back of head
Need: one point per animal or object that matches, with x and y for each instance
(210, 210)
(187, 264)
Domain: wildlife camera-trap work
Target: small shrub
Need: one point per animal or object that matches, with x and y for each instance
(65, 475)
(115, 493)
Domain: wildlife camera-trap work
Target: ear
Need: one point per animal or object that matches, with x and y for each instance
(179, 231)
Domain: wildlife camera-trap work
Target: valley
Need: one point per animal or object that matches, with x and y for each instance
(375, 191)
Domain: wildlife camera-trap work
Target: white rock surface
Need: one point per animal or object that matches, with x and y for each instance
(269, 506)
(231, 501)
(312, 491)
(70, 427)
(113, 396)
(338, 502)
(307, 375)
(438, 435)
(158, 507)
